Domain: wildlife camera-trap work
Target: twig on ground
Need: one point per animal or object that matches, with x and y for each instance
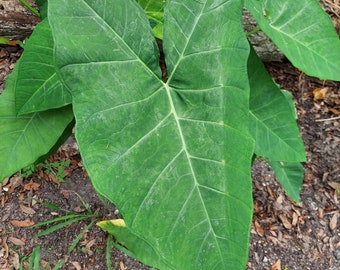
(327, 119)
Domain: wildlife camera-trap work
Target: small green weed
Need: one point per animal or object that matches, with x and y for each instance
(60, 222)
(34, 261)
(56, 168)
(49, 168)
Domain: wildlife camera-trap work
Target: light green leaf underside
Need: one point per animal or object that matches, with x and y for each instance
(175, 158)
(23, 139)
(38, 87)
(273, 124)
(290, 175)
(303, 31)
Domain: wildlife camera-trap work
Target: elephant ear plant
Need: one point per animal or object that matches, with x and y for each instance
(174, 154)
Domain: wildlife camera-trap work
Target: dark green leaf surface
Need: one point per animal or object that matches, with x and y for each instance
(290, 175)
(273, 124)
(23, 139)
(303, 31)
(174, 157)
(38, 87)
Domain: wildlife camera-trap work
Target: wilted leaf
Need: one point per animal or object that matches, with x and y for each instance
(320, 93)
(334, 111)
(334, 221)
(14, 260)
(32, 186)
(16, 241)
(335, 185)
(276, 265)
(285, 222)
(27, 210)
(76, 265)
(258, 228)
(22, 223)
(16, 181)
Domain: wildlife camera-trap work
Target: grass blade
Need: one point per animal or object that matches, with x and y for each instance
(79, 237)
(58, 265)
(57, 219)
(109, 245)
(60, 225)
(34, 261)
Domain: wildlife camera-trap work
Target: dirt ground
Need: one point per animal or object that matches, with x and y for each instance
(284, 235)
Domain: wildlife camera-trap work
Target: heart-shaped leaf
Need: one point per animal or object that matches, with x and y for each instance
(23, 139)
(38, 87)
(174, 157)
(303, 31)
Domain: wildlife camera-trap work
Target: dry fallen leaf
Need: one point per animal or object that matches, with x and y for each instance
(6, 250)
(276, 265)
(333, 222)
(335, 185)
(259, 229)
(22, 223)
(295, 219)
(14, 260)
(27, 210)
(76, 265)
(285, 222)
(32, 186)
(122, 266)
(320, 213)
(320, 93)
(334, 111)
(16, 181)
(16, 241)
(89, 245)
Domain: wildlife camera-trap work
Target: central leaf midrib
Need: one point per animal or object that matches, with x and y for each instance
(188, 156)
(182, 137)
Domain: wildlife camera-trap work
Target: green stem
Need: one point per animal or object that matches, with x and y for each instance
(255, 30)
(30, 8)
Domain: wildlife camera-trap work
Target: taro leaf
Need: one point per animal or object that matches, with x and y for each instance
(303, 31)
(154, 9)
(273, 125)
(38, 87)
(290, 175)
(289, 97)
(174, 157)
(125, 237)
(23, 139)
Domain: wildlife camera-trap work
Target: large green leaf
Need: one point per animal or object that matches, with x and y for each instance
(174, 157)
(23, 139)
(303, 31)
(274, 128)
(38, 87)
(273, 124)
(125, 237)
(290, 175)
